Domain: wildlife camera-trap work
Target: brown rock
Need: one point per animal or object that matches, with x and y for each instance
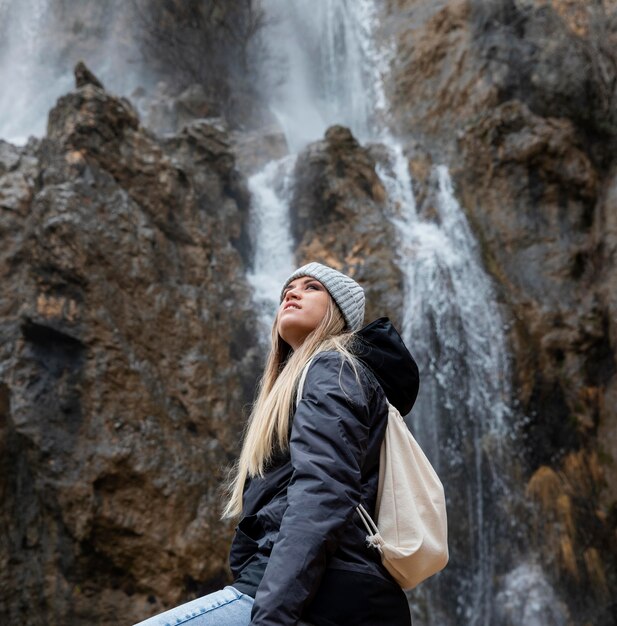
(338, 218)
(512, 97)
(435, 82)
(126, 359)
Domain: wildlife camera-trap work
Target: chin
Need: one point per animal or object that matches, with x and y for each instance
(291, 333)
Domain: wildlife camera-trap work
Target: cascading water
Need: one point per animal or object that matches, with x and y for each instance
(462, 416)
(23, 66)
(452, 321)
(325, 53)
(40, 42)
(273, 260)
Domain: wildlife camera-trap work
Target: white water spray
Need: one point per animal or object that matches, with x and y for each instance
(273, 259)
(528, 598)
(24, 73)
(330, 65)
(40, 43)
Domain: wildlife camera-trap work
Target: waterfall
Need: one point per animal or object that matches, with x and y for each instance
(462, 415)
(273, 259)
(452, 322)
(329, 63)
(42, 40)
(328, 60)
(24, 72)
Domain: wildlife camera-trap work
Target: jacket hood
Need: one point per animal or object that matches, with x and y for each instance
(380, 347)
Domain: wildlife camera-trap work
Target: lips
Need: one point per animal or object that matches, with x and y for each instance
(291, 305)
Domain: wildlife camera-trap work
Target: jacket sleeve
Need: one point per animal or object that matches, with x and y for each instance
(328, 444)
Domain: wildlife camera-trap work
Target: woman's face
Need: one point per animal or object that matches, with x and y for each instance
(304, 305)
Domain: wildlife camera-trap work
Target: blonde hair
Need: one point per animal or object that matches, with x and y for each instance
(267, 428)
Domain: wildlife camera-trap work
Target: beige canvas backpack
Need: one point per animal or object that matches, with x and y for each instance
(411, 530)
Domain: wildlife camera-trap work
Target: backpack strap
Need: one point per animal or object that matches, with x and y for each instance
(302, 379)
(369, 524)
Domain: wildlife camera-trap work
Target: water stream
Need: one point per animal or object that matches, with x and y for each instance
(462, 416)
(271, 190)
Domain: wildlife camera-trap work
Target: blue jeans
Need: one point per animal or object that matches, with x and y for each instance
(227, 607)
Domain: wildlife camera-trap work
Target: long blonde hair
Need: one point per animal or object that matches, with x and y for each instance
(267, 428)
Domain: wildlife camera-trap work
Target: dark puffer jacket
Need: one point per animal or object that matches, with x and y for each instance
(300, 533)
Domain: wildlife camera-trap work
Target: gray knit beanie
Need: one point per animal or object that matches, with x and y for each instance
(345, 291)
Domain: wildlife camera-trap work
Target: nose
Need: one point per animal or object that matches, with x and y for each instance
(291, 294)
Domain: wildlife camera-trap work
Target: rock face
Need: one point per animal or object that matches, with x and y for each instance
(128, 349)
(125, 363)
(508, 94)
(337, 192)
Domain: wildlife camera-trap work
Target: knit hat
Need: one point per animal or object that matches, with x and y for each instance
(345, 291)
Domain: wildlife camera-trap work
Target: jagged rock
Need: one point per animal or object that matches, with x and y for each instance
(338, 217)
(83, 77)
(127, 353)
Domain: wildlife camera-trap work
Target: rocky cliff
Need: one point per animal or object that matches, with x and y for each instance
(126, 361)
(518, 97)
(129, 347)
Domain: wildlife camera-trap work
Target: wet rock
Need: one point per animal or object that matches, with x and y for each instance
(126, 358)
(339, 218)
(510, 95)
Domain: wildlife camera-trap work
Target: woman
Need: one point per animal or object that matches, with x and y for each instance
(299, 554)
